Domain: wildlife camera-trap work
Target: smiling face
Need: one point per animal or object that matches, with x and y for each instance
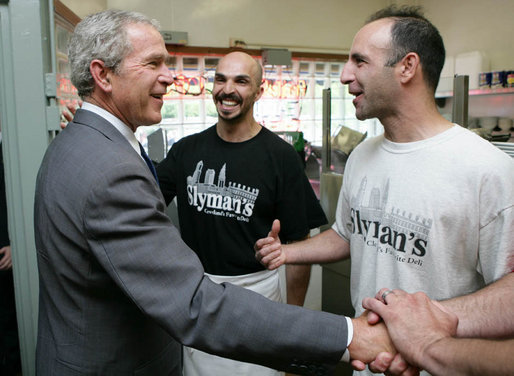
(235, 87)
(372, 83)
(142, 80)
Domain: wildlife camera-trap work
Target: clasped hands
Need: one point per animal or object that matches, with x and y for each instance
(397, 329)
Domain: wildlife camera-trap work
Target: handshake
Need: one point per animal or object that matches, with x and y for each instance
(396, 332)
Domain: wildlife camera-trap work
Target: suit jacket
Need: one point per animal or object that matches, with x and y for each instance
(118, 287)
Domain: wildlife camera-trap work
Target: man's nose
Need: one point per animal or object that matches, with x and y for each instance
(229, 87)
(347, 74)
(166, 77)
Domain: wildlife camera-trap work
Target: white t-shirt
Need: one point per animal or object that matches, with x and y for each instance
(435, 215)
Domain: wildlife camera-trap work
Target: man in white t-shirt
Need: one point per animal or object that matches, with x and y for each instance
(427, 206)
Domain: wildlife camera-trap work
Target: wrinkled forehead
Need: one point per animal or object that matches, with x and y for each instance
(144, 35)
(146, 44)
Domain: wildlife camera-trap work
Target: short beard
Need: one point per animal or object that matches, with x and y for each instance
(234, 119)
(235, 98)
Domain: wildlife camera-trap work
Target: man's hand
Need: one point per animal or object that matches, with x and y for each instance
(392, 365)
(5, 258)
(374, 340)
(68, 115)
(269, 251)
(414, 322)
(369, 340)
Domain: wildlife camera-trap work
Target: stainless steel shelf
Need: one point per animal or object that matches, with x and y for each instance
(474, 92)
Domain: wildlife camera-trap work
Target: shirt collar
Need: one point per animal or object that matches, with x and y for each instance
(116, 122)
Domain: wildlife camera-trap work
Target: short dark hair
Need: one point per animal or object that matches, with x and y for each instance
(412, 32)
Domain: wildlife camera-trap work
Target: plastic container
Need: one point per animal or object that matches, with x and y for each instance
(471, 64)
(510, 79)
(498, 79)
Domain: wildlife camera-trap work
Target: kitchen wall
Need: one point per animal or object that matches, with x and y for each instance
(483, 25)
(306, 25)
(323, 26)
(83, 8)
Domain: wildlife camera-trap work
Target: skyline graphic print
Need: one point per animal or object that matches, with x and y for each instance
(218, 197)
(392, 231)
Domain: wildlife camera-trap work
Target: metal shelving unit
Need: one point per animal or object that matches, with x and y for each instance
(475, 92)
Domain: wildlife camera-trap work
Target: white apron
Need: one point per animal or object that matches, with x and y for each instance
(198, 363)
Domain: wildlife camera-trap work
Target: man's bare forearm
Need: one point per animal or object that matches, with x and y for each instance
(325, 247)
(486, 313)
(297, 283)
(468, 357)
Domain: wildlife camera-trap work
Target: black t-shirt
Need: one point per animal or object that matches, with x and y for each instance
(228, 195)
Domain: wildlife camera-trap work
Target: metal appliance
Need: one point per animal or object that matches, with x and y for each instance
(335, 296)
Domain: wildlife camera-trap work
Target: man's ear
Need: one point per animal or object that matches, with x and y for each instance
(408, 67)
(101, 74)
(259, 93)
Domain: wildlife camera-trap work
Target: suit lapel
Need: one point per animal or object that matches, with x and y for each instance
(98, 123)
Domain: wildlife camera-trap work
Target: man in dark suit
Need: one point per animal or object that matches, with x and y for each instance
(118, 287)
(10, 363)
